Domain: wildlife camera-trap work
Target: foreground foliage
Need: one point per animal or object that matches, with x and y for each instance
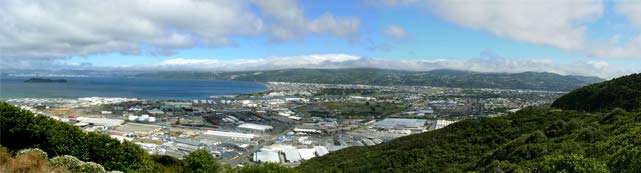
(42, 144)
(531, 140)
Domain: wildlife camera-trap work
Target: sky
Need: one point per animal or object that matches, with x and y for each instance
(578, 37)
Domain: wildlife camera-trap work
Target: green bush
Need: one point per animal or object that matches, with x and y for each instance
(37, 151)
(72, 163)
(91, 167)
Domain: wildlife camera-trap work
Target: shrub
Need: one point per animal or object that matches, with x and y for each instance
(91, 167)
(72, 163)
(36, 151)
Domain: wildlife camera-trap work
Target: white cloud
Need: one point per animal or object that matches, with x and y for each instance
(395, 32)
(57, 29)
(489, 63)
(291, 24)
(560, 24)
(333, 61)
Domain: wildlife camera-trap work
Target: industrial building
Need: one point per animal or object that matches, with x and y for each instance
(321, 150)
(100, 121)
(400, 124)
(442, 123)
(255, 127)
(231, 135)
(266, 156)
(291, 154)
(307, 153)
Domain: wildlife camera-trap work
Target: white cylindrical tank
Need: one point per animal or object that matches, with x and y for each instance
(132, 117)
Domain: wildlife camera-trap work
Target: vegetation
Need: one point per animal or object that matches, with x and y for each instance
(436, 78)
(360, 109)
(623, 92)
(531, 140)
(200, 161)
(28, 160)
(66, 148)
(44, 80)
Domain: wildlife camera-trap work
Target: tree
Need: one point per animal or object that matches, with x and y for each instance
(200, 161)
(573, 163)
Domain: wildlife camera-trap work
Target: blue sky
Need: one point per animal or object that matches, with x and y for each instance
(588, 37)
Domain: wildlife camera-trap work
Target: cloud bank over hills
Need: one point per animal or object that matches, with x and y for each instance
(337, 61)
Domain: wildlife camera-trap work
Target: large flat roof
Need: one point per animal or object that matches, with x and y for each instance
(230, 134)
(266, 156)
(392, 123)
(255, 126)
(291, 154)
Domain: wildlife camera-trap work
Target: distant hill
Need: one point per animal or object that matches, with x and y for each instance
(436, 78)
(531, 140)
(623, 92)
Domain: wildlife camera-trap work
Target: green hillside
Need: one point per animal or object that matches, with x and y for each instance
(436, 78)
(531, 140)
(623, 92)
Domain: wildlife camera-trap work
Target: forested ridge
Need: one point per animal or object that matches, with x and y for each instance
(623, 92)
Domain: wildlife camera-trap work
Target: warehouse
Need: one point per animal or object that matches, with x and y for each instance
(291, 154)
(401, 124)
(231, 135)
(442, 123)
(321, 150)
(101, 121)
(257, 128)
(266, 156)
(307, 153)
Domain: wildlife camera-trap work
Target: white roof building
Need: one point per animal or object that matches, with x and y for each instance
(307, 153)
(442, 123)
(291, 154)
(256, 127)
(101, 121)
(266, 156)
(233, 135)
(321, 150)
(400, 123)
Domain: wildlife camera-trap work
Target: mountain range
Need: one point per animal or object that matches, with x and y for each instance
(369, 76)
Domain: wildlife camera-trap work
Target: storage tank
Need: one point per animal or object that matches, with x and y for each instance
(132, 117)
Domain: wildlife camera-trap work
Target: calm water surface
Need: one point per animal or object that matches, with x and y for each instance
(146, 88)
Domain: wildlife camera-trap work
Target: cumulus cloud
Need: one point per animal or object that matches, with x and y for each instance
(290, 23)
(53, 29)
(395, 32)
(560, 24)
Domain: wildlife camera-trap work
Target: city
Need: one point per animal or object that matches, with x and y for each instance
(288, 123)
(331, 86)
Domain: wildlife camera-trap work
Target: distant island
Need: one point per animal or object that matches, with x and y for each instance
(45, 80)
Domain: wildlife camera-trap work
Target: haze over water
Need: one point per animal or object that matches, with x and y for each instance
(146, 88)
